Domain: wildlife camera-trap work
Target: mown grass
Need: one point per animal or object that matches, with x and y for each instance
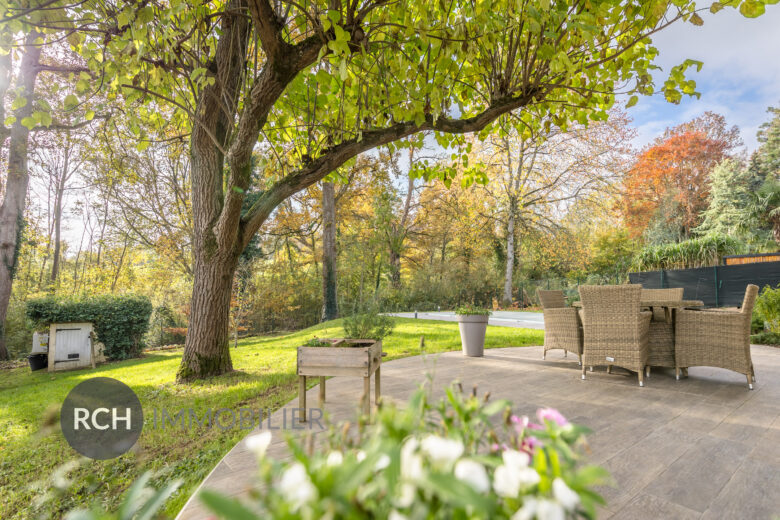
(32, 446)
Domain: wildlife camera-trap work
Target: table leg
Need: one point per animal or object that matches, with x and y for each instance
(302, 397)
(322, 390)
(378, 385)
(367, 396)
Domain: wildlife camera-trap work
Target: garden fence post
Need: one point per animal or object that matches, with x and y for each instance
(715, 269)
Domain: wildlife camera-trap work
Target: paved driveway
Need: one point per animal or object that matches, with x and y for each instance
(517, 319)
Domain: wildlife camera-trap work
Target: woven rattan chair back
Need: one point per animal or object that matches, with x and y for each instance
(751, 293)
(551, 299)
(611, 309)
(615, 329)
(663, 294)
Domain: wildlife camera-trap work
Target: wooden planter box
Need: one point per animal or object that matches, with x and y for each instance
(347, 357)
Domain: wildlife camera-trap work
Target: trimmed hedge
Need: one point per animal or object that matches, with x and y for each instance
(120, 321)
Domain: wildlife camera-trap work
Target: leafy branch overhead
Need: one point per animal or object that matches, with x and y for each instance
(313, 84)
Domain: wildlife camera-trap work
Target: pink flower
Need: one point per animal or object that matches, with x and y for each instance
(552, 415)
(521, 423)
(530, 444)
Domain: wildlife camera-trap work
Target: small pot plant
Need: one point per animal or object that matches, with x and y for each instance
(472, 322)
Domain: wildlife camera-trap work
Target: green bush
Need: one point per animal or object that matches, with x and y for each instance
(768, 307)
(368, 324)
(765, 338)
(696, 252)
(18, 334)
(120, 321)
(164, 328)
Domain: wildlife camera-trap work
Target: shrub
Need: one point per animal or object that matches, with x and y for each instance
(165, 328)
(765, 338)
(696, 252)
(470, 310)
(768, 307)
(429, 460)
(368, 324)
(120, 321)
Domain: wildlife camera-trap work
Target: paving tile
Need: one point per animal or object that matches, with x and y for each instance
(648, 507)
(696, 478)
(753, 492)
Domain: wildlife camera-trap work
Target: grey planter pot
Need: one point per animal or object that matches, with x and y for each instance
(472, 334)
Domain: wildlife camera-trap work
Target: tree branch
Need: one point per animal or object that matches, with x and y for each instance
(337, 155)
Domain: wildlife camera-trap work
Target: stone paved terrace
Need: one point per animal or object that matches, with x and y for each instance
(702, 447)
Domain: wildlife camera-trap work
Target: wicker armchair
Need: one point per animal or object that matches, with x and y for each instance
(661, 329)
(615, 328)
(562, 327)
(716, 338)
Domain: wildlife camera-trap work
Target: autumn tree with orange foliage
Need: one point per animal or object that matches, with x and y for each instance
(669, 183)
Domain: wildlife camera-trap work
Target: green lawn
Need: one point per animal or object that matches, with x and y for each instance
(31, 445)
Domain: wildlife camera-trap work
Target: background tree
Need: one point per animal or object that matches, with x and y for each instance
(668, 186)
(534, 177)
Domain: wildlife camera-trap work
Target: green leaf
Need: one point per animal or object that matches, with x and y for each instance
(715, 7)
(226, 507)
(89, 115)
(752, 9)
(696, 20)
(71, 101)
(18, 103)
(9, 120)
(29, 123)
(633, 100)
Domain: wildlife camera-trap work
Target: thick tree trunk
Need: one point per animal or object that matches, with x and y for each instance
(207, 346)
(510, 258)
(12, 209)
(330, 304)
(394, 264)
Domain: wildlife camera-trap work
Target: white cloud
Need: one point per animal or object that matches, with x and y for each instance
(739, 79)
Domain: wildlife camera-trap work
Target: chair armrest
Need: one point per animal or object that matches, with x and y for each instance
(709, 316)
(644, 321)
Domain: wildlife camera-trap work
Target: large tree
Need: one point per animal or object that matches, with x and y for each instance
(309, 85)
(669, 184)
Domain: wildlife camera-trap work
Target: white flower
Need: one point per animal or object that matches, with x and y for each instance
(258, 443)
(382, 463)
(516, 459)
(528, 510)
(411, 461)
(335, 458)
(360, 456)
(549, 510)
(442, 451)
(406, 497)
(296, 487)
(395, 515)
(472, 473)
(564, 494)
(509, 480)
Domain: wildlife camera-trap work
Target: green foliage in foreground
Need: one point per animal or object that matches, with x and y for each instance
(32, 445)
(120, 321)
(461, 457)
(696, 252)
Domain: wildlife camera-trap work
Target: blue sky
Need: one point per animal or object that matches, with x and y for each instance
(740, 77)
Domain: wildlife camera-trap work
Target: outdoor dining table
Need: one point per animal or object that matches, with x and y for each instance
(667, 305)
